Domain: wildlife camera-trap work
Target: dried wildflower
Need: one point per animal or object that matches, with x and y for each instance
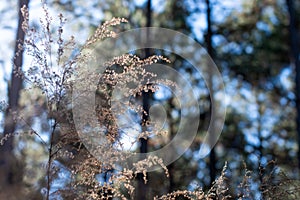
(103, 31)
(53, 65)
(25, 23)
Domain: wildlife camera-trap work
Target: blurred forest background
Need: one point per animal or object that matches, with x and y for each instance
(255, 45)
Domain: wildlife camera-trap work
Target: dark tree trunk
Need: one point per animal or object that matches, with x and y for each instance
(295, 60)
(172, 125)
(208, 41)
(142, 189)
(6, 151)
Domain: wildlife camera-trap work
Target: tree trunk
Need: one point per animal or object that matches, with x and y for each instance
(172, 131)
(142, 189)
(295, 60)
(208, 40)
(7, 159)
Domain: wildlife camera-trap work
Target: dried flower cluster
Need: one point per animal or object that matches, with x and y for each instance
(103, 31)
(219, 190)
(51, 70)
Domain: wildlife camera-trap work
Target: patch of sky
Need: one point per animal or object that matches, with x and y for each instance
(286, 79)
(263, 26)
(163, 93)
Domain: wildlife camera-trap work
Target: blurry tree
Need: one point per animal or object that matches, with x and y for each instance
(295, 60)
(11, 168)
(142, 189)
(210, 51)
(252, 50)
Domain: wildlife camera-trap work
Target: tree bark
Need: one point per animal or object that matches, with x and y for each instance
(6, 151)
(295, 60)
(142, 189)
(208, 40)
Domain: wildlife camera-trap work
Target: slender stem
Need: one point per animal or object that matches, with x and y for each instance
(50, 160)
(52, 139)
